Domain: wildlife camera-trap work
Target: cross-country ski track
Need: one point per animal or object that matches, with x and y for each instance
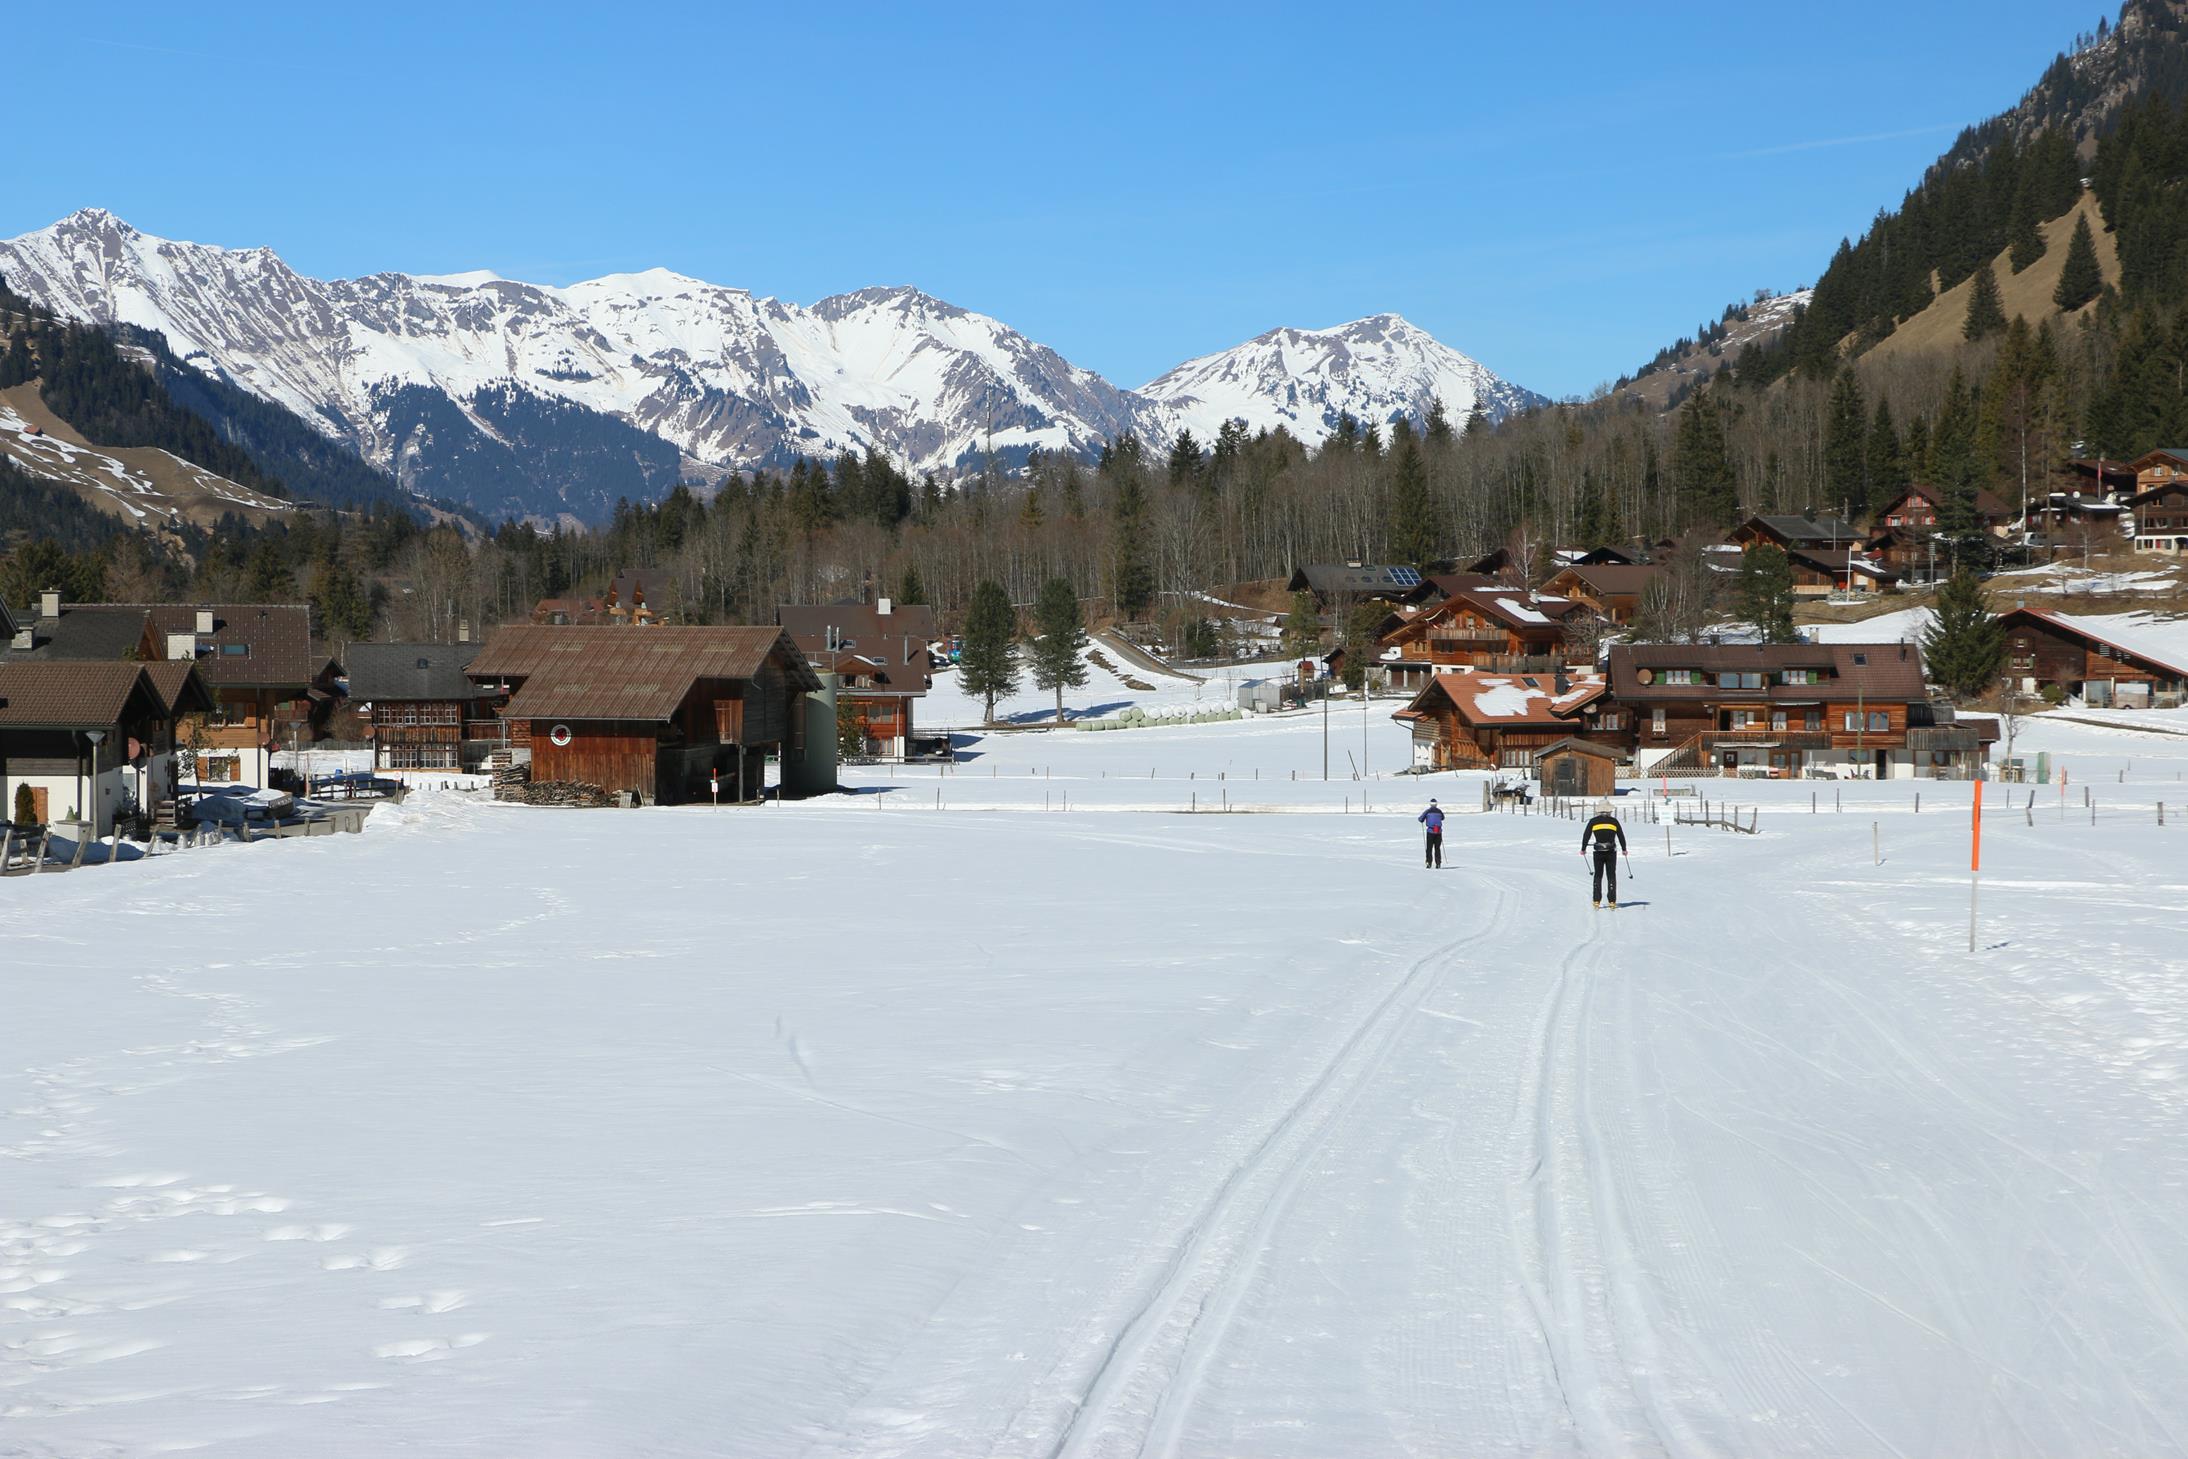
(1100, 1135)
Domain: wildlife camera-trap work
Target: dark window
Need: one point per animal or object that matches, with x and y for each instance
(235, 650)
(1861, 661)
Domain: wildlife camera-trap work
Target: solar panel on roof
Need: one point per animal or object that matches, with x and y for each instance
(1404, 577)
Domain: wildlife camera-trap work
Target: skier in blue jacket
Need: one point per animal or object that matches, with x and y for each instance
(1433, 819)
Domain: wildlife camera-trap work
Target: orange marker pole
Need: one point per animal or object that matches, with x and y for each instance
(1975, 860)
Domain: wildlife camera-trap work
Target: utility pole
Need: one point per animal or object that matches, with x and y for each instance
(1325, 727)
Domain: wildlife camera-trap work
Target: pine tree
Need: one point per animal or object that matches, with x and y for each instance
(2080, 280)
(1955, 468)
(1766, 592)
(1302, 627)
(1845, 447)
(2025, 242)
(1701, 468)
(987, 665)
(910, 590)
(1135, 574)
(1185, 460)
(1057, 661)
(1986, 310)
(1412, 512)
(1966, 647)
(1884, 467)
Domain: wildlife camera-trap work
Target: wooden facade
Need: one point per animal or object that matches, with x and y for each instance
(2161, 517)
(1474, 628)
(656, 715)
(1770, 709)
(1575, 767)
(2057, 651)
(1477, 720)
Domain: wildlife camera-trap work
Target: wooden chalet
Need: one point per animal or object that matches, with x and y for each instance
(880, 656)
(1826, 555)
(1791, 532)
(637, 597)
(2156, 468)
(1825, 572)
(1505, 628)
(653, 715)
(1472, 719)
(1610, 590)
(1437, 586)
(2084, 496)
(1919, 507)
(92, 741)
(1338, 583)
(1777, 709)
(2105, 660)
(2159, 517)
(269, 690)
(421, 709)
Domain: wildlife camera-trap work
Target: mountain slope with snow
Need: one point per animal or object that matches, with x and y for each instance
(1302, 380)
(554, 401)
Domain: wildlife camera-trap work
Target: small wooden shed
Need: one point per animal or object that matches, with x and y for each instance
(1575, 768)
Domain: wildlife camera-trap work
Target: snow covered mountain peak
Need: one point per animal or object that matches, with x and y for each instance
(1302, 380)
(602, 388)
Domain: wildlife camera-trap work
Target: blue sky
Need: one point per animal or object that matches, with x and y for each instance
(1557, 189)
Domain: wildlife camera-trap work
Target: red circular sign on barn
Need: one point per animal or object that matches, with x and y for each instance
(560, 734)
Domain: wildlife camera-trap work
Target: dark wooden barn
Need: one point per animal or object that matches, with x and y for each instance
(657, 713)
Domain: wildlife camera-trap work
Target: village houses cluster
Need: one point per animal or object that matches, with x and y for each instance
(114, 716)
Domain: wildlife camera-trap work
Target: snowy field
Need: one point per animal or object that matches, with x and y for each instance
(857, 1128)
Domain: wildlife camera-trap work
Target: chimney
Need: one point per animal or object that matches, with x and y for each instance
(182, 646)
(463, 630)
(881, 606)
(205, 620)
(49, 603)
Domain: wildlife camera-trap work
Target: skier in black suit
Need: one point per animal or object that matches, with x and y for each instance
(1606, 838)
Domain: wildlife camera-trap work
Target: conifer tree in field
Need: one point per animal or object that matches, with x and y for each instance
(2025, 242)
(2081, 280)
(1766, 592)
(1185, 462)
(987, 665)
(1883, 464)
(1955, 468)
(1302, 627)
(1966, 647)
(1598, 525)
(1412, 511)
(1439, 430)
(1986, 310)
(1701, 468)
(1135, 573)
(1846, 448)
(1057, 661)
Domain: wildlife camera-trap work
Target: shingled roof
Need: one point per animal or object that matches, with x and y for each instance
(411, 671)
(252, 645)
(87, 632)
(626, 673)
(64, 694)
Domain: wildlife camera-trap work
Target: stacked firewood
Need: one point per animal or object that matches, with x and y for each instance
(560, 793)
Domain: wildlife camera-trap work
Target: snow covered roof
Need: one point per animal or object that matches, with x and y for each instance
(1506, 700)
(2160, 642)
